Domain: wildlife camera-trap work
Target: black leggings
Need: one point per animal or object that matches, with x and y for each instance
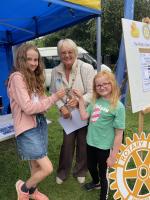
(97, 166)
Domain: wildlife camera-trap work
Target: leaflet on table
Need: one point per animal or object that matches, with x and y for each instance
(75, 123)
(6, 129)
(6, 124)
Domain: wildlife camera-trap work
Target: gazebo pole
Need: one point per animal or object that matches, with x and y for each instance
(98, 40)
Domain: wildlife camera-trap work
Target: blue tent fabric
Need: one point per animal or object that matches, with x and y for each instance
(26, 19)
(23, 20)
(5, 64)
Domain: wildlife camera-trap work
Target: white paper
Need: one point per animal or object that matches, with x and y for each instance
(145, 67)
(73, 124)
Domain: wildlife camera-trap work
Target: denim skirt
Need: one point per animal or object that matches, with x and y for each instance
(33, 143)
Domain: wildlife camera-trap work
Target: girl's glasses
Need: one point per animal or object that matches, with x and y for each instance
(104, 85)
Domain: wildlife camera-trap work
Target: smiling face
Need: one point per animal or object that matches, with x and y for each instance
(103, 87)
(32, 59)
(67, 55)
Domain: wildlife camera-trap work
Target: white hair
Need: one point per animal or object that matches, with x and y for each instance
(105, 67)
(70, 43)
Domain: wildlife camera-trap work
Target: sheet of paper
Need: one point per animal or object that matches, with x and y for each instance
(75, 123)
(145, 67)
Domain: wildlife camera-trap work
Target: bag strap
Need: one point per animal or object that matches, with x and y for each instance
(81, 71)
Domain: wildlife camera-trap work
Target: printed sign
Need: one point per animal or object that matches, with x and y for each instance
(137, 48)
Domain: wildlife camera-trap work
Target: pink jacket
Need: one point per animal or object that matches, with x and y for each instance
(23, 108)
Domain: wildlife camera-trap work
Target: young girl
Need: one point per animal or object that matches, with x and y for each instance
(28, 104)
(105, 130)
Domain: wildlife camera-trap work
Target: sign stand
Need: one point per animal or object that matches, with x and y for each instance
(141, 122)
(141, 118)
(141, 126)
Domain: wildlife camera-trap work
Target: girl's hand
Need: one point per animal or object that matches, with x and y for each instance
(111, 161)
(60, 93)
(77, 93)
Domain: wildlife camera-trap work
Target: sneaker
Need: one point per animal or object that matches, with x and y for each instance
(21, 195)
(91, 186)
(58, 180)
(38, 196)
(81, 179)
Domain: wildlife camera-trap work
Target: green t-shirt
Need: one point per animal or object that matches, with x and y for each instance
(103, 122)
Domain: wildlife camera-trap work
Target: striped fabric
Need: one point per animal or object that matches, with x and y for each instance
(96, 4)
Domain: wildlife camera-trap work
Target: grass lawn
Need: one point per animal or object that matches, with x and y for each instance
(11, 168)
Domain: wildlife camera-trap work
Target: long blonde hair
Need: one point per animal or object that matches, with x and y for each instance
(34, 80)
(114, 97)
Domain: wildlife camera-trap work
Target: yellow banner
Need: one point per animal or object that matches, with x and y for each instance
(96, 4)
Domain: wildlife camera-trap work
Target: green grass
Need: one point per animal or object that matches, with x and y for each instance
(11, 168)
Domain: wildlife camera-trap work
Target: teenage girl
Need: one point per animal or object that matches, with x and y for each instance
(28, 105)
(105, 130)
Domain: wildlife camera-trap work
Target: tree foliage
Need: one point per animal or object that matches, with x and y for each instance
(84, 34)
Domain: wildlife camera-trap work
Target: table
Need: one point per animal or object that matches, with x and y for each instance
(6, 127)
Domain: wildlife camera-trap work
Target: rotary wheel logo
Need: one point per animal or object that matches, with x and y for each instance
(131, 175)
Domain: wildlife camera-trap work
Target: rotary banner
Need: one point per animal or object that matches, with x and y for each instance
(95, 4)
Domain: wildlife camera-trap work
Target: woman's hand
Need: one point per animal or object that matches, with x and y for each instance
(72, 103)
(65, 112)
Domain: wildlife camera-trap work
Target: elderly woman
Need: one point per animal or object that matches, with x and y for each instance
(69, 74)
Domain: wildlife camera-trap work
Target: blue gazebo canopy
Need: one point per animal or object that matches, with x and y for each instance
(23, 20)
